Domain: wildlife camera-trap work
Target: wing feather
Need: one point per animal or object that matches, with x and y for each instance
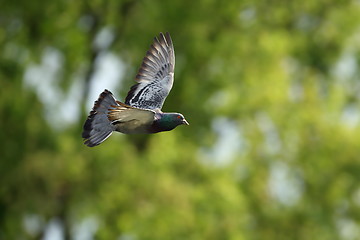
(130, 120)
(155, 76)
(123, 113)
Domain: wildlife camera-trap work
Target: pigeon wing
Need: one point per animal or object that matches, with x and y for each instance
(123, 113)
(155, 77)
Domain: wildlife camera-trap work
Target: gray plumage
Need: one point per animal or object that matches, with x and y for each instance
(141, 112)
(156, 75)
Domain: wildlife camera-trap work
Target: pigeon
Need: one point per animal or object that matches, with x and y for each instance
(141, 113)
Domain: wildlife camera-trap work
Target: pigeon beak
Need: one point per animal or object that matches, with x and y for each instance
(185, 122)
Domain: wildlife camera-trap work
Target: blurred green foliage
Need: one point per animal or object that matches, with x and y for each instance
(283, 76)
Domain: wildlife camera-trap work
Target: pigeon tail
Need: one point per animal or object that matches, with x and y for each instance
(97, 127)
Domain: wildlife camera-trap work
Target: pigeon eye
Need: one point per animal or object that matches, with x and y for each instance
(179, 117)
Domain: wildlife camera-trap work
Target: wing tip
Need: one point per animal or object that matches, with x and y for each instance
(165, 38)
(168, 39)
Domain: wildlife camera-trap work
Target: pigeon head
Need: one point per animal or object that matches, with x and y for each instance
(168, 121)
(176, 118)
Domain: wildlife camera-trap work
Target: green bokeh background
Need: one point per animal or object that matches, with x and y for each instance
(271, 91)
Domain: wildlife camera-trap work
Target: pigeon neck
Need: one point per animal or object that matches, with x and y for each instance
(164, 123)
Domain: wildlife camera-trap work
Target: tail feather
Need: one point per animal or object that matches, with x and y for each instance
(97, 127)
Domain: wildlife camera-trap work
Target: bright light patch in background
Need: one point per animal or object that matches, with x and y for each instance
(348, 229)
(86, 229)
(272, 142)
(351, 116)
(127, 236)
(33, 224)
(54, 230)
(248, 16)
(104, 38)
(346, 67)
(345, 72)
(63, 108)
(285, 184)
(43, 78)
(293, 69)
(229, 142)
(109, 71)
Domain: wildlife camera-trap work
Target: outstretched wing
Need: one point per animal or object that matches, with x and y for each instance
(155, 77)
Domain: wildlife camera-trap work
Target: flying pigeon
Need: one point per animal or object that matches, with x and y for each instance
(141, 112)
